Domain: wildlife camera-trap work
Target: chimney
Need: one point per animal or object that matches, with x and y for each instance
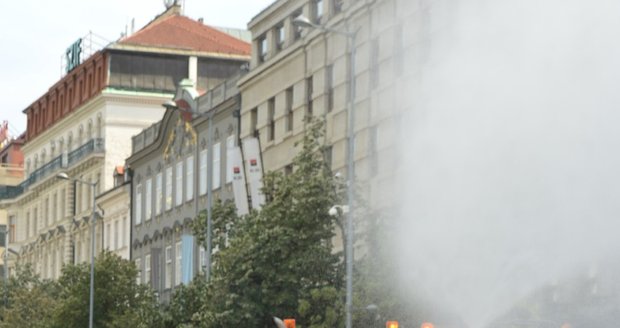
(201, 20)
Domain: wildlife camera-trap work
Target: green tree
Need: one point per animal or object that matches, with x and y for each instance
(280, 260)
(119, 300)
(31, 301)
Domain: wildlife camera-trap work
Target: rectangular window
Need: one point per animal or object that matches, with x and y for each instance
(158, 193)
(230, 148)
(46, 212)
(297, 29)
(374, 160)
(12, 229)
(55, 207)
(147, 268)
(254, 122)
(139, 267)
(62, 204)
(189, 176)
(124, 231)
(168, 278)
(271, 111)
(27, 224)
(328, 156)
(318, 11)
(138, 218)
(217, 151)
(309, 92)
(35, 219)
(168, 188)
(263, 48)
(116, 233)
(203, 173)
(337, 5)
(148, 210)
(289, 109)
(329, 86)
(179, 185)
(177, 264)
(108, 233)
(280, 36)
(374, 64)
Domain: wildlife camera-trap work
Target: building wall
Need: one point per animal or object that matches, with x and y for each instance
(52, 226)
(116, 204)
(316, 67)
(164, 229)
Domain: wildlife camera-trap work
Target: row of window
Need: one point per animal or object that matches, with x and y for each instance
(173, 262)
(48, 264)
(116, 234)
(317, 12)
(170, 186)
(59, 147)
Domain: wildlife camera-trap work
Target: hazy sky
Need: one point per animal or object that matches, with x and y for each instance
(34, 35)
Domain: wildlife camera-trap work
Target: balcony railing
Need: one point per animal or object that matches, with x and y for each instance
(7, 192)
(92, 146)
(46, 169)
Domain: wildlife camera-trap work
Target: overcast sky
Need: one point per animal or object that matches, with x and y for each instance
(34, 34)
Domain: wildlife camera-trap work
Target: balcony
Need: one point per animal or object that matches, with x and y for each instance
(45, 170)
(92, 146)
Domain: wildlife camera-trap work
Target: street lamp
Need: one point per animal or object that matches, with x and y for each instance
(64, 176)
(304, 22)
(172, 105)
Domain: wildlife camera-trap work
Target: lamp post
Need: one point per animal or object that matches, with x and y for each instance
(304, 22)
(64, 176)
(172, 105)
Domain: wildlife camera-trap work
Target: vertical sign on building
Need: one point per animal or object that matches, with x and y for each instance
(238, 182)
(73, 55)
(254, 167)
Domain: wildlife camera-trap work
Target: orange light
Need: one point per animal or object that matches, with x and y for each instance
(391, 324)
(289, 323)
(427, 325)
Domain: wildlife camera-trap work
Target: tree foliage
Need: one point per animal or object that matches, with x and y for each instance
(280, 260)
(119, 300)
(30, 302)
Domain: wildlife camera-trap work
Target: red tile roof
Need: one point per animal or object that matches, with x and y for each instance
(180, 32)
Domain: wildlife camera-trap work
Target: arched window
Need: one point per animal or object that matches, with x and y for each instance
(52, 149)
(70, 142)
(80, 140)
(99, 126)
(90, 129)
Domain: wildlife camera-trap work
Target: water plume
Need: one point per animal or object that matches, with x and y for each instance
(511, 151)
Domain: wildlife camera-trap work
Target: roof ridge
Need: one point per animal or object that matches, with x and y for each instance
(212, 31)
(155, 22)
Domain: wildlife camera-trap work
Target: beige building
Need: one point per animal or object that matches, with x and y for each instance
(297, 72)
(115, 204)
(83, 126)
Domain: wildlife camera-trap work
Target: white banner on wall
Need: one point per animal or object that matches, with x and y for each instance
(254, 167)
(238, 182)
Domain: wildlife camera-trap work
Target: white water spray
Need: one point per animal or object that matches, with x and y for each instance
(512, 150)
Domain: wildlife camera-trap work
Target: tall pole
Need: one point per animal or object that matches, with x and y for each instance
(209, 192)
(92, 259)
(350, 180)
(6, 267)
